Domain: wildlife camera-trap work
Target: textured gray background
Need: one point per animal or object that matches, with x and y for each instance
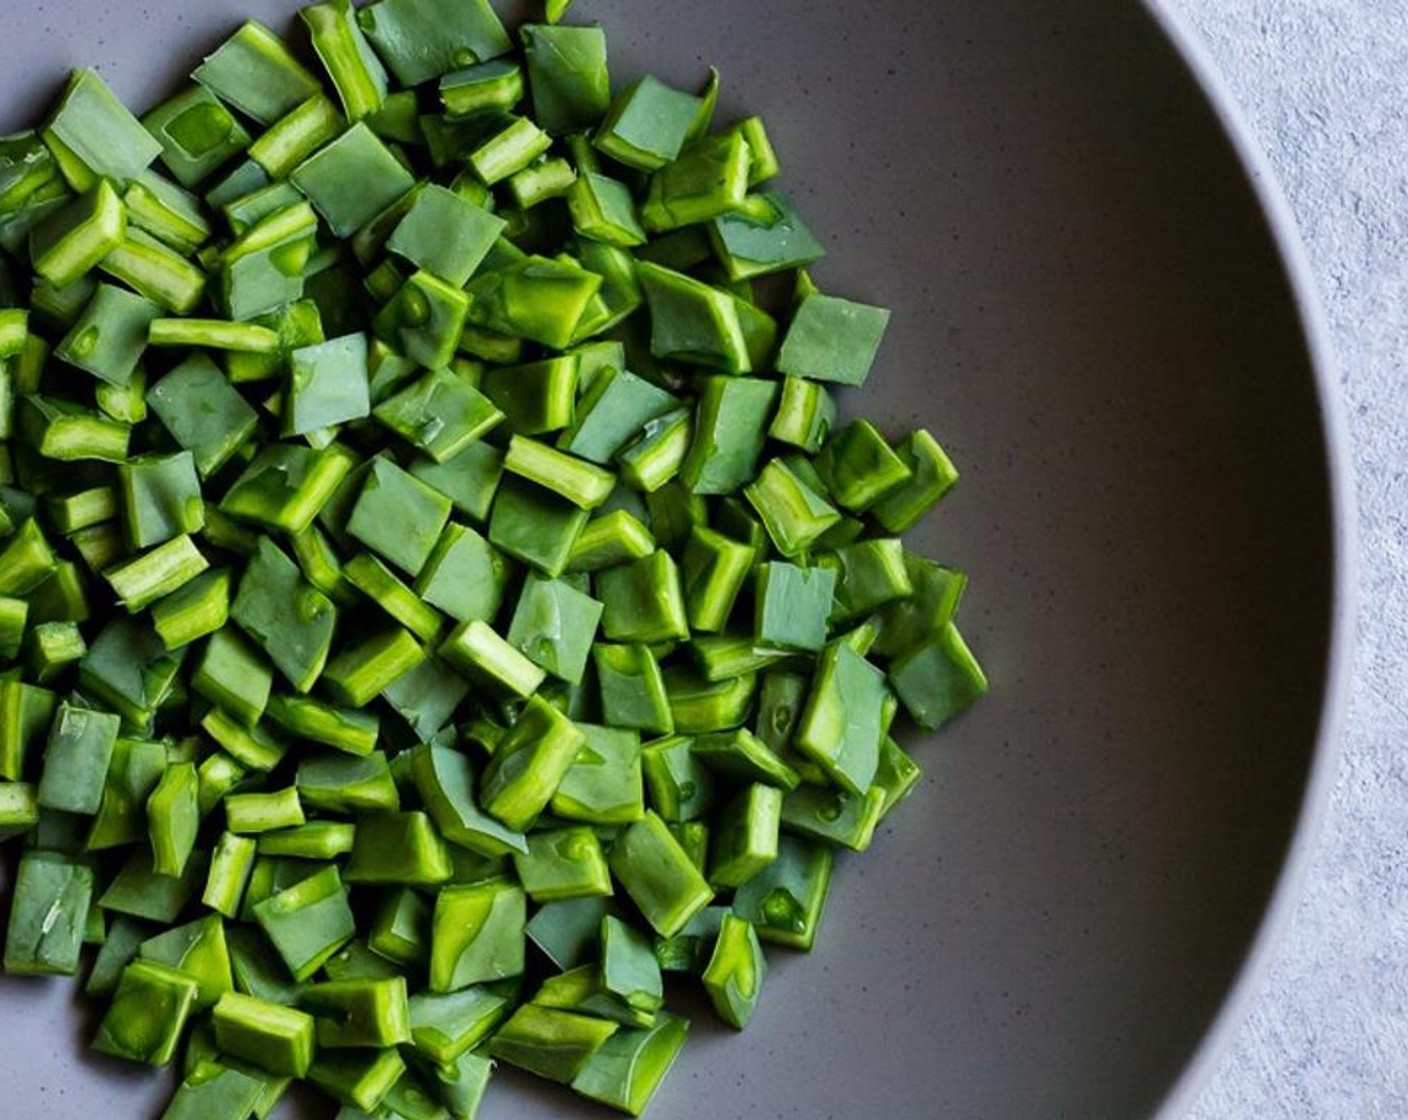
(1321, 82)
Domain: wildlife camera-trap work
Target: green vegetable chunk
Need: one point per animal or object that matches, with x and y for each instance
(76, 759)
(657, 873)
(109, 337)
(327, 385)
(358, 1079)
(794, 514)
(554, 625)
(159, 572)
(615, 408)
(423, 39)
(286, 486)
(793, 605)
(173, 818)
(529, 764)
(255, 72)
(277, 1039)
(534, 525)
(681, 787)
(511, 150)
(445, 780)
(359, 1013)
(938, 678)
(567, 73)
(477, 935)
(564, 863)
(745, 839)
(769, 238)
(603, 786)
(535, 298)
(64, 431)
(160, 498)
(734, 975)
(833, 816)
(129, 670)
(832, 339)
(537, 398)
(339, 784)
(845, 718)
(602, 209)
(476, 650)
(709, 179)
(783, 902)
(644, 600)
(729, 432)
(230, 868)
(297, 641)
(932, 476)
(693, 322)
(362, 672)
(93, 136)
(549, 1042)
(48, 914)
(626, 1070)
(19, 809)
(199, 950)
(859, 468)
(465, 576)
(216, 1093)
(400, 849)
(714, 571)
(148, 1013)
(608, 540)
(442, 415)
(308, 923)
(156, 272)
(445, 235)
(203, 413)
(647, 124)
(343, 729)
(424, 319)
(262, 812)
(139, 891)
(741, 756)
(580, 482)
(352, 180)
(629, 970)
(197, 134)
(398, 516)
(446, 1026)
(71, 241)
(486, 87)
(355, 70)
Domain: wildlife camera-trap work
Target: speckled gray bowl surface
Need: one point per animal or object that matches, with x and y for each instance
(1095, 316)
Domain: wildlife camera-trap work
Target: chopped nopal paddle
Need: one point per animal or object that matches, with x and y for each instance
(439, 593)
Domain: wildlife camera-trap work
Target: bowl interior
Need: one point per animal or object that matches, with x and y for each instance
(1091, 316)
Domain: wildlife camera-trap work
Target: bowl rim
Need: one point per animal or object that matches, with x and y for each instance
(1285, 234)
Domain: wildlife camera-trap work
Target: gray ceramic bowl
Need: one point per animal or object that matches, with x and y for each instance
(1100, 310)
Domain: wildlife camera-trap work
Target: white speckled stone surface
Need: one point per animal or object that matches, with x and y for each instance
(1322, 84)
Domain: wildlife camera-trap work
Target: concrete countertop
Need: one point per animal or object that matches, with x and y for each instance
(1322, 85)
